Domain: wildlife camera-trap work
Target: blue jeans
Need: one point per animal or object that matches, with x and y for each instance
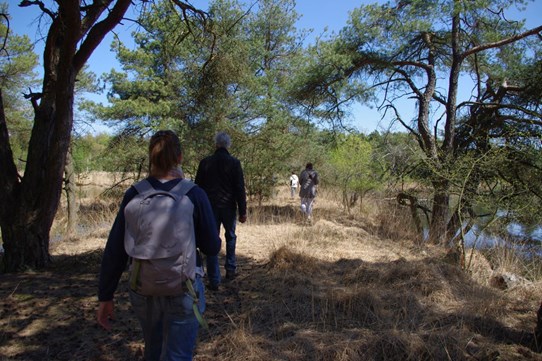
(306, 206)
(226, 217)
(169, 325)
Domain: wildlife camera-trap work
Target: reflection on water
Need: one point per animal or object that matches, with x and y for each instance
(524, 238)
(514, 231)
(489, 232)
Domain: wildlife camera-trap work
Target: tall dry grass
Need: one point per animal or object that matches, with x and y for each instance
(351, 286)
(355, 287)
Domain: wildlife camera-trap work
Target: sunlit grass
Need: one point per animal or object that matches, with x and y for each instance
(349, 286)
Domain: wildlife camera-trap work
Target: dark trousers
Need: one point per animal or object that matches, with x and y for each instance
(228, 219)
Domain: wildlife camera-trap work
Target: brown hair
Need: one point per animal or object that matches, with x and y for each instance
(164, 152)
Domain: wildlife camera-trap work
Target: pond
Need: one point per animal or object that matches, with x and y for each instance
(522, 237)
(502, 231)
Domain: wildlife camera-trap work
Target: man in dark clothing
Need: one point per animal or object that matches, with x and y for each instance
(221, 176)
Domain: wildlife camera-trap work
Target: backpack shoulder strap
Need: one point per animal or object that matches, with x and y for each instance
(183, 187)
(143, 186)
(180, 189)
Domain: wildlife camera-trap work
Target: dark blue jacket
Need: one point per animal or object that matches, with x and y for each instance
(115, 257)
(221, 176)
(308, 180)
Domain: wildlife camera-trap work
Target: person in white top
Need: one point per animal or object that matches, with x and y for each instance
(294, 181)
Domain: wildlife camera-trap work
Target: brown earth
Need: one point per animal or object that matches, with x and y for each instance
(343, 288)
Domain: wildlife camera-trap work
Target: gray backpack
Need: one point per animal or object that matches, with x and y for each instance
(159, 237)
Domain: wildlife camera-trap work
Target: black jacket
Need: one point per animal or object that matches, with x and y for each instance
(221, 176)
(308, 180)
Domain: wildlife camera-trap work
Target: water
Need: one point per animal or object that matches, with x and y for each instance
(526, 239)
(489, 232)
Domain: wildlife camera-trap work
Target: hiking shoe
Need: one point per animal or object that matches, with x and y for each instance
(230, 275)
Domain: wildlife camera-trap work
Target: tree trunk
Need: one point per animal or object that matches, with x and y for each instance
(411, 201)
(28, 204)
(70, 190)
(26, 235)
(438, 229)
(25, 245)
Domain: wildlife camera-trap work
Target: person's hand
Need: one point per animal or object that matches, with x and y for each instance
(105, 313)
(243, 218)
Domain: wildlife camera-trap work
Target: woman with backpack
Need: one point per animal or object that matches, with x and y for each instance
(163, 223)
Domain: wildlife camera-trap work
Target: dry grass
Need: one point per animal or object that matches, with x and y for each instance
(347, 287)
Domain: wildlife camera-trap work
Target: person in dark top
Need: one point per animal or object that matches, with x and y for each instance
(308, 181)
(168, 321)
(221, 176)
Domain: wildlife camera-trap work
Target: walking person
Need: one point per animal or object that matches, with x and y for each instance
(294, 181)
(221, 176)
(161, 237)
(308, 181)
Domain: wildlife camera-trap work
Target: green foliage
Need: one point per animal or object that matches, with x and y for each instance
(270, 155)
(420, 51)
(155, 88)
(271, 123)
(231, 74)
(246, 72)
(90, 152)
(322, 87)
(353, 168)
(398, 160)
(17, 76)
(516, 187)
(127, 154)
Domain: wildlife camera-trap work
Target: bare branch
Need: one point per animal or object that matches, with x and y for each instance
(33, 98)
(404, 124)
(410, 83)
(417, 64)
(502, 42)
(500, 106)
(4, 44)
(185, 7)
(26, 3)
(99, 31)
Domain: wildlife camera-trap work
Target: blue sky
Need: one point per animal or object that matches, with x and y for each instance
(315, 14)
